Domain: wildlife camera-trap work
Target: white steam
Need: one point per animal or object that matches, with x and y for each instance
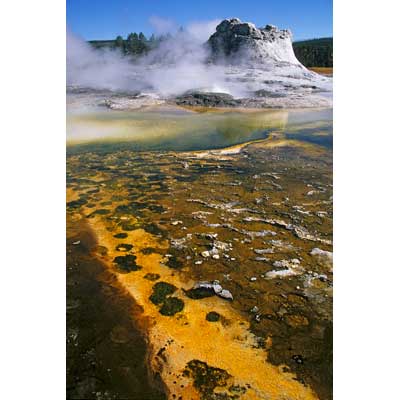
(175, 66)
(97, 69)
(202, 30)
(162, 25)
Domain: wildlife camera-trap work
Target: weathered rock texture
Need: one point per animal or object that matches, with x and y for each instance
(241, 42)
(207, 99)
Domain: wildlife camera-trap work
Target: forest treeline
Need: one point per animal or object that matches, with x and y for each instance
(311, 53)
(315, 52)
(135, 43)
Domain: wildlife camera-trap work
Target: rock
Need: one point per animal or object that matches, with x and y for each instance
(205, 254)
(226, 294)
(176, 223)
(263, 251)
(199, 262)
(215, 256)
(254, 310)
(222, 245)
(262, 259)
(268, 93)
(203, 285)
(207, 99)
(270, 28)
(298, 359)
(321, 253)
(242, 42)
(286, 268)
(215, 288)
(253, 279)
(324, 257)
(132, 103)
(178, 243)
(211, 236)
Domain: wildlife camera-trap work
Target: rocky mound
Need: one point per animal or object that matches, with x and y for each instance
(207, 99)
(241, 43)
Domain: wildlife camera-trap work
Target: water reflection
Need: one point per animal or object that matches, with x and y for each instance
(171, 128)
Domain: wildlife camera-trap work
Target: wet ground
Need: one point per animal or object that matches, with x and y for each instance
(106, 351)
(254, 221)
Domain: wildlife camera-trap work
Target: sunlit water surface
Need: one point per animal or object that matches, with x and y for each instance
(177, 129)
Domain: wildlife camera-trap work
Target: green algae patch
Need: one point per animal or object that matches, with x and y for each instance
(121, 235)
(213, 316)
(155, 229)
(128, 227)
(171, 306)
(239, 390)
(174, 263)
(156, 208)
(124, 247)
(206, 378)
(151, 277)
(148, 250)
(160, 292)
(100, 211)
(77, 203)
(199, 293)
(161, 297)
(127, 263)
(133, 208)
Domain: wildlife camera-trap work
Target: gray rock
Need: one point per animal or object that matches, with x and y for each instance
(263, 251)
(207, 99)
(216, 288)
(226, 294)
(238, 41)
(268, 93)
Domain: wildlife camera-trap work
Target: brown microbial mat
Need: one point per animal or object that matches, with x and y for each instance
(202, 273)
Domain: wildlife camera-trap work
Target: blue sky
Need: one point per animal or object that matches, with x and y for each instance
(105, 19)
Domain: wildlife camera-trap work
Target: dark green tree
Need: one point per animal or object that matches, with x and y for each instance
(132, 37)
(119, 42)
